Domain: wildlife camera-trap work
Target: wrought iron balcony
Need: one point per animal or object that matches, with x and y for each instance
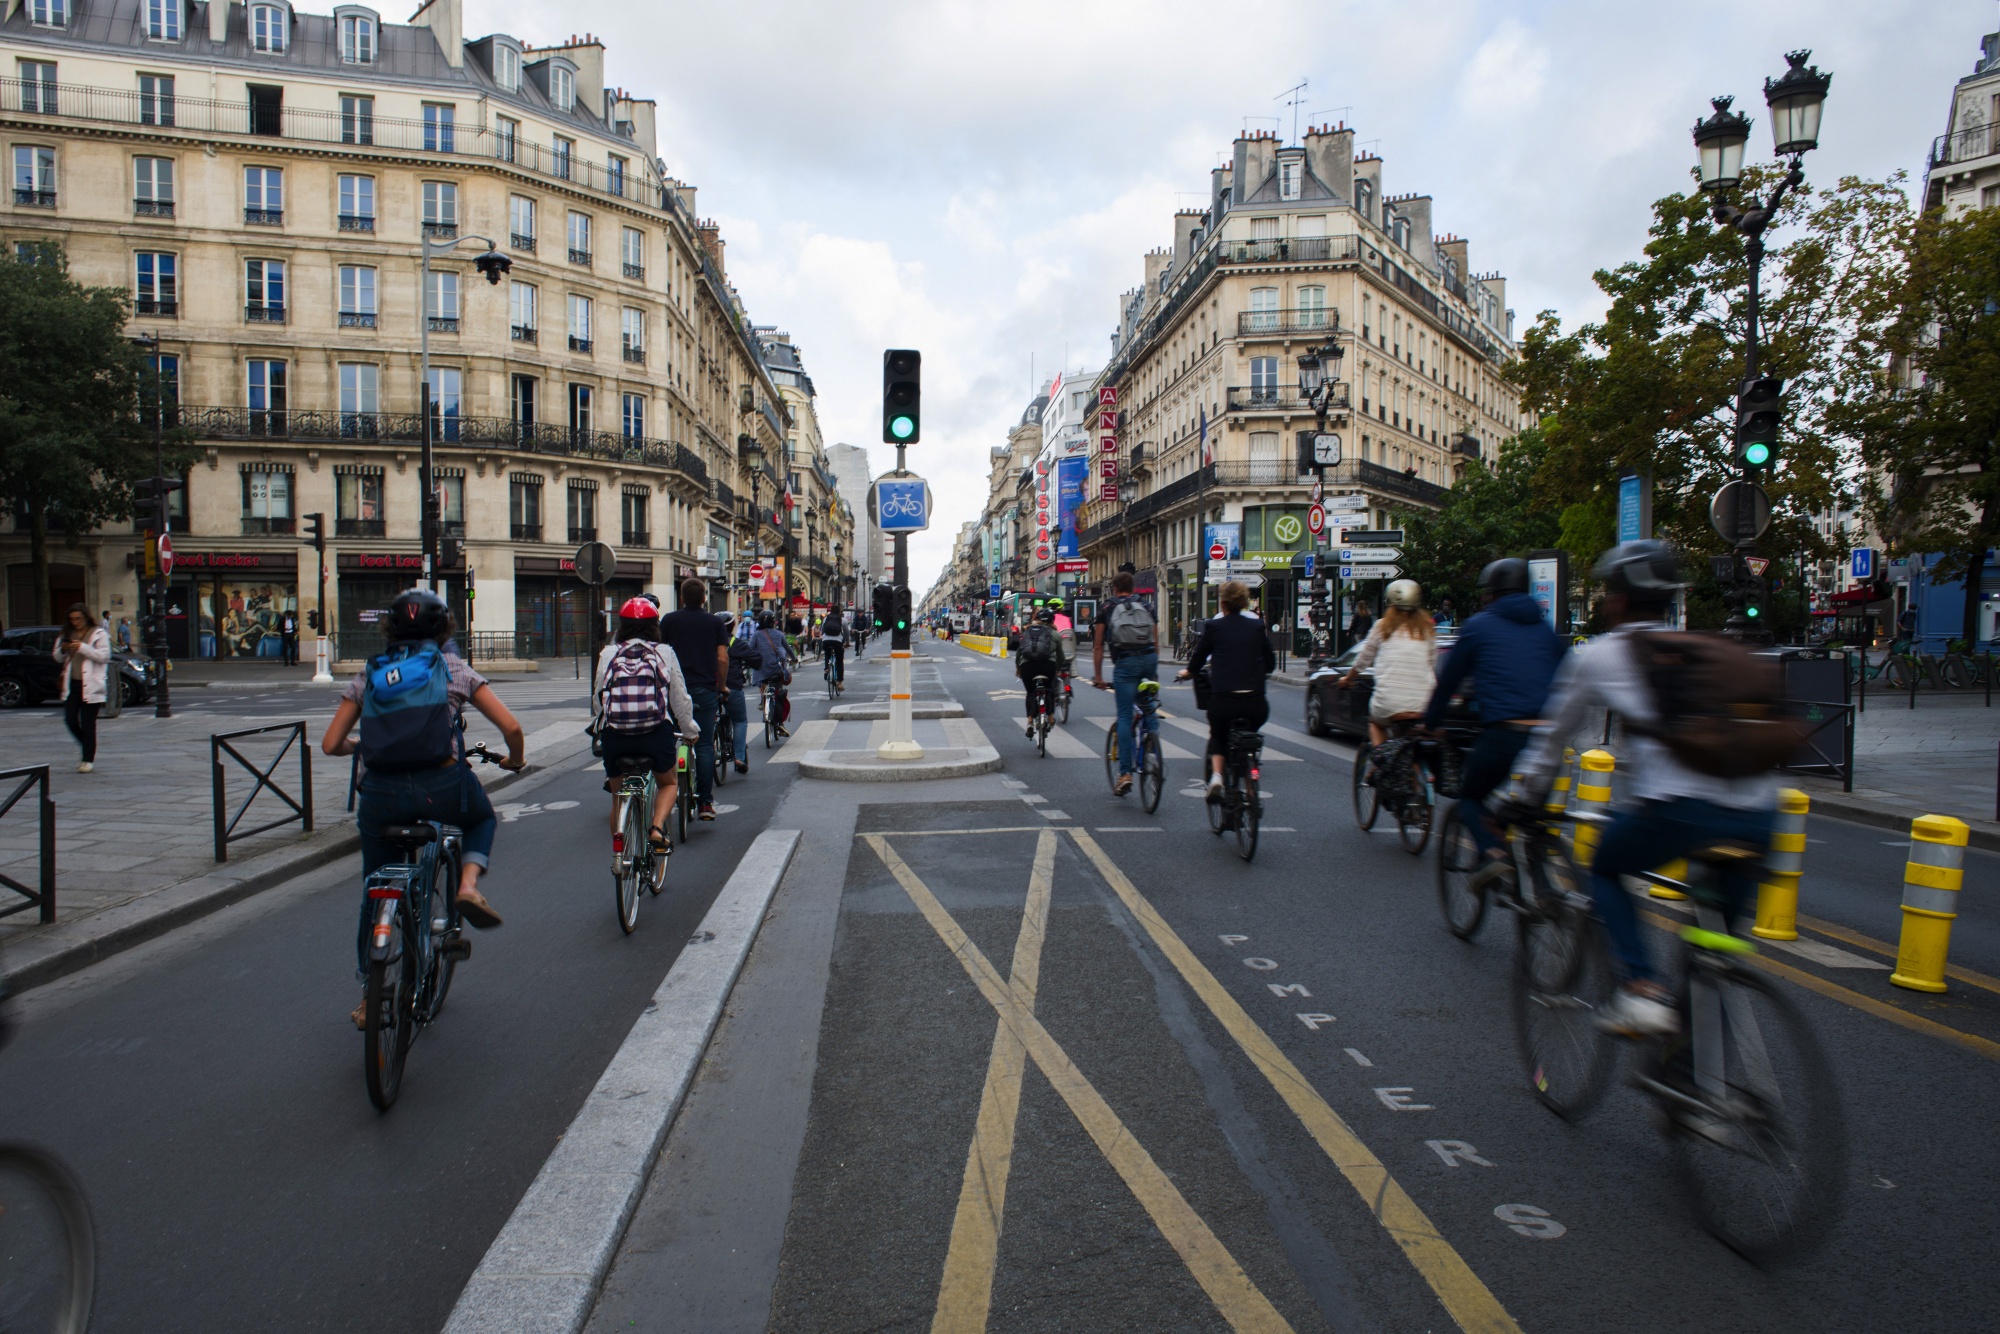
(443, 323)
(635, 355)
(440, 231)
(1281, 398)
(579, 256)
(265, 527)
(524, 333)
(1306, 322)
(1323, 249)
(579, 533)
(582, 345)
(357, 319)
(525, 532)
(520, 242)
(166, 308)
(1966, 145)
(264, 217)
(637, 538)
(637, 271)
(152, 208)
(35, 198)
(359, 527)
(357, 222)
(264, 314)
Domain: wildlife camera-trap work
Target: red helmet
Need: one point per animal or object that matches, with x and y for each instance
(639, 609)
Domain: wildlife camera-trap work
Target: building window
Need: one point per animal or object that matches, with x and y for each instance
(357, 203)
(267, 110)
(157, 290)
(264, 196)
(633, 519)
(37, 252)
(357, 120)
(264, 291)
(156, 99)
(163, 20)
(164, 393)
(1263, 308)
(562, 89)
(524, 507)
(153, 187)
(1263, 229)
(632, 251)
(523, 400)
(1401, 233)
(266, 382)
(506, 133)
(35, 176)
(614, 175)
(268, 28)
(581, 402)
(451, 500)
(441, 301)
(632, 327)
(357, 40)
(1364, 200)
(38, 86)
(440, 131)
(579, 238)
(559, 167)
(1288, 178)
(579, 323)
(1263, 380)
(523, 311)
(267, 499)
(633, 416)
(521, 223)
(1312, 307)
(48, 13)
(447, 392)
(357, 296)
(440, 210)
(357, 504)
(582, 511)
(507, 68)
(360, 398)
(1989, 197)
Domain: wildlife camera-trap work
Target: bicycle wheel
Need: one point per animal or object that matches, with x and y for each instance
(1458, 857)
(625, 875)
(1249, 814)
(390, 1023)
(1111, 755)
(1065, 708)
(725, 747)
(1897, 673)
(1152, 772)
(769, 709)
(1367, 801)
(1042, 731)
(49, 1244)
(445, 884)
(1954, 671)
(1413, 816)
(1762, 1142)
(1562, 979)
(684, 805)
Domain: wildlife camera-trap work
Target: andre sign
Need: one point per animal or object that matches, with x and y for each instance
(1107, 440)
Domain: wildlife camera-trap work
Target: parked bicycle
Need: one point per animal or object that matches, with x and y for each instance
(1152, 770)
(48, 1243)
(1240, 805)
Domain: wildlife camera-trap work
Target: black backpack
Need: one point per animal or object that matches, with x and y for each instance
(1038, 643)
(1720, 707)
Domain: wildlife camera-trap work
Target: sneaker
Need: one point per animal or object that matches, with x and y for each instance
(780, 729)
(704, 810)
(1632, 1015)
(85, 767)
(1215, 787)
(1495, 870)
(1031, 731)
(742, 766)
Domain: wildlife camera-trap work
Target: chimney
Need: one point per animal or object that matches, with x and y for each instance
(1156, 263)
(218, 21)
(1187, 222)
(1219, 196)
(640, 113)
(446, 20)
(588, 53)
(1330, 155)
(710, 235)
(1256, 160)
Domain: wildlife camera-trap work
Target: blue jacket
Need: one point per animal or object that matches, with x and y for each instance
(1510, 652)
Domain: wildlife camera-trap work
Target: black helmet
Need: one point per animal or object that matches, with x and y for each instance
(1646, 569)
(1509, 574)
(416, 614)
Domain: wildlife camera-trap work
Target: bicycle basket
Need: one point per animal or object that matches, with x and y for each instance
(1395, 766)
(1245, 744)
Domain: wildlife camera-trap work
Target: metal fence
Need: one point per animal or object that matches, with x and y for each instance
(36, 779)
(219, 744)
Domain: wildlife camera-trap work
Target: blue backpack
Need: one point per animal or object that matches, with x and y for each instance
(407, 721)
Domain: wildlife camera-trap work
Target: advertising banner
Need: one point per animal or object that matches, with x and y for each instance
(1227, 535)
(1071, 477)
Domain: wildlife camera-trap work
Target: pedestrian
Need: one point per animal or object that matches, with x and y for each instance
(85, 654)
(125, 634)
(1358, 628)
(701, 642)
(288, 637)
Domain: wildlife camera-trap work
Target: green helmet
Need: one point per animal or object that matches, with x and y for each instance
(1055, 604)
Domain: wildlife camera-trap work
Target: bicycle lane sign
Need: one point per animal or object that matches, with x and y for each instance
(901, 504)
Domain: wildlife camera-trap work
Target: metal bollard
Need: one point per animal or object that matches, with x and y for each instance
(1593, 794)
(1674, 870)
(1931, 881)
(1778, 895)
(1558, 801)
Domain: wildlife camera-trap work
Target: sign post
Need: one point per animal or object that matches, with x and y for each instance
(900, 504)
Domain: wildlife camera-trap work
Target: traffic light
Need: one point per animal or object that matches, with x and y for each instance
(1759, 408)
(900, 625)
(884, 605)
(1754, 594)
(902, 395)
(316, 532)
(312, 619)
(451, 553)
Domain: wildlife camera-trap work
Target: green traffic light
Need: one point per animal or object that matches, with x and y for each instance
(902, 427)
(1753, 612)
(1757, 455)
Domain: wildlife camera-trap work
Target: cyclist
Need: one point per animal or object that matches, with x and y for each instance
(642, 706)
(1127, 626)
(833, 644)
(1038, 661)
(742, 660)
(1667, 809)
(701, 643)
(413, 757)
(774, 665)
(1511, 654)
(1402, 648)
(1237, 654)
(1065, 640)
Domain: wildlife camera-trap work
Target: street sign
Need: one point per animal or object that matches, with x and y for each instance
(1362, 573)
(1316, 521)
(1318, 491)
(709, 555)
(1243, 577)
(1309, 565)
(1246, 567)
(166, 555)
(900, 503)
(1218, 552)
(1358, 537)
(1371, 555)
(1072, 566)
(594, 562)
(1722, 515)
(1757, 564)
(708, 571)
(1326, 449)
(756, 574)
(1863, 563)
(993, 590)
(1350, 504)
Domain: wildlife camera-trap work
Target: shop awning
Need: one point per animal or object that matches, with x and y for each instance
(1855, 597)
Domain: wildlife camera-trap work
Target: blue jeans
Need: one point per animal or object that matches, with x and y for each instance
(1653, 835)
(449, 795)
(703, 698)
(1126, 674)
(739, 713)
(1488, 764)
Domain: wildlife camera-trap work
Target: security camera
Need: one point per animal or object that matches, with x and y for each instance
(493, 264)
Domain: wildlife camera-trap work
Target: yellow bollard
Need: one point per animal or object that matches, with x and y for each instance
(1593, 794)
(1931, 881)
(1778, 896)
(1675, 870)
(1558, 801)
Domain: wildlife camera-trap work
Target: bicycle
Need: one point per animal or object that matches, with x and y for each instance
(1041, 721)
(1241, 804)
(47, 1238)
(1743, 1090)
(832, 686)
(772, 707)
(1409, 766)
(411, 954)
(1151, 775)
(725, 739)
(635, 866)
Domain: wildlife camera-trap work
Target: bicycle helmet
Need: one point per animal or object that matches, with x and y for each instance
(1054, 604)
(1646, 569)
(416, 614)
(641, 608)
(1407, 594)
(1509, 574)
(1044, 616)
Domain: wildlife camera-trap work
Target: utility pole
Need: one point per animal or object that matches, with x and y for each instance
(901, 424)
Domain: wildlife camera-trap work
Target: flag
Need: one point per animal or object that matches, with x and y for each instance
(1205, 459)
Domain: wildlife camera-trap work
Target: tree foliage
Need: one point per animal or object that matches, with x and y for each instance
(1487, 515)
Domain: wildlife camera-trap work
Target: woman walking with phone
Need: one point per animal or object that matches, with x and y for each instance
(85, 654)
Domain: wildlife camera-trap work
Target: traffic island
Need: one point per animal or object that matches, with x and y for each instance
(921, 708)
(867, 766)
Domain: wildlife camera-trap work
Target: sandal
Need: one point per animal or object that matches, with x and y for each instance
(360, 1015)
(474, 908)
(657, 839)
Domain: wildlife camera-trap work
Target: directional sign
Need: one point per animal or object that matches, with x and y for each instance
(1366, 572)
(1246, 567)
(1316, 520)
(1346, 504)
(1370, 555)
(1244, 577)
(166, 555)
(756, 574)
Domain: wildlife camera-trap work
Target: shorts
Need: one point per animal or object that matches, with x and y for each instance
(659, 744)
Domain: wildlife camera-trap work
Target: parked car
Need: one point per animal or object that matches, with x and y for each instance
(1329, 709)
(29, 673)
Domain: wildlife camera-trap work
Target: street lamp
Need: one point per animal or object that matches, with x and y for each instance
(753, 458)
(1319, 372)
(495, 266)
(1128, 491)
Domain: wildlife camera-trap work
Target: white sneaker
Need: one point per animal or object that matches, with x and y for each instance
(85, 767)
(1631, 1015)
(1214, 786)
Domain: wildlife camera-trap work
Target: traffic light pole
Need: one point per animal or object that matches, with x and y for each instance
(902, 742)
(322, 664)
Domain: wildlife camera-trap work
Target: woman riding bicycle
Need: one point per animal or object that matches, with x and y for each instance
(833, 644)
(1402, 648)
(1237, 654)
(639, 678)
(742, 660)
(775, 657)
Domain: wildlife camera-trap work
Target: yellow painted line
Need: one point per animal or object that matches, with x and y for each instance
(965, 1294)
(1236, 1298)
(1916, 1023)
(1888, 951)
(1468, 1300)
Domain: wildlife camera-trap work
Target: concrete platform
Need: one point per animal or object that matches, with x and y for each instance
(921, 708)
(865, 766)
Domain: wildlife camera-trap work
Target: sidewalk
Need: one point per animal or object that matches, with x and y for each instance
(267, 674)
(1941, 758)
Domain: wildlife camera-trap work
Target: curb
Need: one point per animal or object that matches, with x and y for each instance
(918, 709)
(862, 766)
(544, 1270)
(1841, 806)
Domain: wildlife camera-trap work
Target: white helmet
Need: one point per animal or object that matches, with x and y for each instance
(1407, 594)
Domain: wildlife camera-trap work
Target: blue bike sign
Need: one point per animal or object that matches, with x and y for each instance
(901, 504)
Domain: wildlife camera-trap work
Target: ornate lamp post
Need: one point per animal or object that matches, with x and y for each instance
(1320, 385)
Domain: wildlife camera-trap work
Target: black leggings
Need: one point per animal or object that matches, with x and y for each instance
(837, 651)
(81, 718)
(1226, 711)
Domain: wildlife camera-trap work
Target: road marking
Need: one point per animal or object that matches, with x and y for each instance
(1825, 955)
(1397, 1099)
(814, 735)
(1530, 1221)
(1359, 1059)
(1054, 814)
(1235, 1296)
(1468, 1300)
(1455, 1151)
(1261, 965)
(1283, 989)
(1063, 746)
(962, 833)
(965, 1294)
(1129, 829)
(1201, 730)
(1232, 940)
(1313, 1021)
(1873, 946)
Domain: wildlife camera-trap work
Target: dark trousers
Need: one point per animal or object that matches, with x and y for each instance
(289, 644)
(81, 718)
(837, 650)
(1046, 672)
(1650, 837)
(704, 699)
(1226, 712)
(448, 794)
(1488, 764)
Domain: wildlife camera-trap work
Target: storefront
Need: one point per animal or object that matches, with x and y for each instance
(226, 604)
(368, 582)
(551, 611)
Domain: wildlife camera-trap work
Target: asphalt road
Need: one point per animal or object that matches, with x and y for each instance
(208, 1088)
(1329, 951)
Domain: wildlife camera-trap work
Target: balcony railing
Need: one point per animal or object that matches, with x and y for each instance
(357, 222)
(357, 319)
(722, 495)
(35, 198)
(263, 217)
(152, 208)
(524, 333)
(1966, 145)
(1284, 323)
(166, 309)
(1255, 398)
(266, 314)
(579, 256)
(443, 323)
(635, 355)
(525, 532)
(262, 527)
(1323, 249)
(579, 533)
(638, 538)
(358, 527)
(440, 231)
(635, 271)
(520, 242)
(582, 345)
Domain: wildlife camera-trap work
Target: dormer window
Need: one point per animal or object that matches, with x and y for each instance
(562, 88)
(1289, 172)
(49, 13)
(357, 39)
(1400, 232)
(163, 20)
(507, 68)
(1364, 200)
(270, 26)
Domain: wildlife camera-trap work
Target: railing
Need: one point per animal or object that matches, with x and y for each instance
(152, 208)
(637, 271)
(443, 323)
(262, 527)
(165, 309)
(1285, 323)
(721, 494)
(523, 333)
(773, 417)
(264, 314)
(638, 540)
(44, 898)
(525, 532)
(1827, 750)
(517, 241)
(579, 344)
(359, 527)
(302, 809)
(579, 533)
(1260, 472)
(1965, 145)
(1323, 249)
(355, 222)
(486, 645)
(263, 217)
(34, 198)
(1278, 398)
(440, 231)
(1360, 472)
(635, 355)
(579, 256)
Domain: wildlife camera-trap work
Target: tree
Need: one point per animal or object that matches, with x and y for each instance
(1925, 399)
(70, 438)
(1486, 516)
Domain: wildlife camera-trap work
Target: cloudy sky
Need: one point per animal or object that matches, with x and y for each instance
(980, 180)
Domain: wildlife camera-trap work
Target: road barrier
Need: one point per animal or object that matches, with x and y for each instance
(44, 898)
(1778, 895)
(985, 644)
(1558, 799)
(1931, 882)
(1593, 794)
(302, 809)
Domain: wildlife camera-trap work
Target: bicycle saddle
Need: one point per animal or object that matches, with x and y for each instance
(631, 764)
(408, 835)
(1725, 851)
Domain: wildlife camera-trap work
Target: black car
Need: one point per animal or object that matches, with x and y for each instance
(29, 673)
(1329, 709)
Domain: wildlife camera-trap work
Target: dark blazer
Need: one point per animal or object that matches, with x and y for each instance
(1237, 653)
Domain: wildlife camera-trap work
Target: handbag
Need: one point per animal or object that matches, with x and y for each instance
(1201, 689)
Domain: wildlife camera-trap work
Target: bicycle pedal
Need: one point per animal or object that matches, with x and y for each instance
(456, 948)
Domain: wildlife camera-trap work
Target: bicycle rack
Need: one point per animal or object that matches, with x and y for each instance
(225, 830)
(36, 776)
